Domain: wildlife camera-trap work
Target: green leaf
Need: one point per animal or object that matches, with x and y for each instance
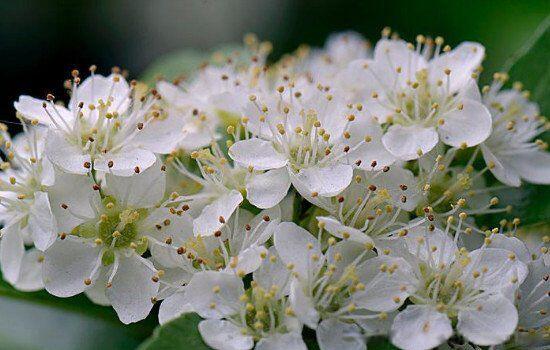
(174, 65)
(380, 343)
(184, 63)
(181, 334)
(84, 324)
(530, 65)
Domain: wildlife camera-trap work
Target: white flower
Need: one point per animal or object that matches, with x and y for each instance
(220, 297)
(533, 304)
(104, 232)
(25, 211)
(303, 135)
(372, 208)
(336, 290)
(454, 284)
(323, 65)
(106, 125)
(237, 246)
(509, 152)
(423, 100)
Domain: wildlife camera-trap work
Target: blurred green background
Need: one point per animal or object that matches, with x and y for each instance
(42, 40)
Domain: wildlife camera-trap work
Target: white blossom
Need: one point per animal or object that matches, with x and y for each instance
(510, 151)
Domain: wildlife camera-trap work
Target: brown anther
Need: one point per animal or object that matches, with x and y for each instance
(136, 170)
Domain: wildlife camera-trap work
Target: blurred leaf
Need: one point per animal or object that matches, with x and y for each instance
(380, 343)
(530, 65)
(185, 62)
(174, 65)
(77, 318)
(181, 334)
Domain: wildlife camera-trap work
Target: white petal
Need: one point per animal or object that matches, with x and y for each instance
(125, 161)
(30, 274)
(142, 190)
(201, 293)
(32, 108)
(249, 260)
(462, 61)
(97, 291)
(534, 292)
(344, 253)
(500, 270)
(67, 264)
(446, 248)
(371, 151)
(66, 155)
(41, 222)
(471, 125)
(512, 244)
(132, 289)
(291, 242)
(264, 230)
(377, 109)
(392, 182)
(502, 169)
(384, 291)
(268, 189)
(209, 220)
(337, 229)
(257, 153)
(420, 328)
(173, 307)
(327, 180)
(492, 324)
(12, 250)
(77, 193)
(179, 230)
(391, 54)
(273, 273)
(336, 335)
(409, 142)
(160, 135)
(277, 341)
(170, 93)
(534, 167)
(223, 335)
(303, 305)
(97, 87)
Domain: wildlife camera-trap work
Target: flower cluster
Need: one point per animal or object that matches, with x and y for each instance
(338, 189)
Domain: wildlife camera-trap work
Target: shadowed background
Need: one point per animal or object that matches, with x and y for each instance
(41, 41)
